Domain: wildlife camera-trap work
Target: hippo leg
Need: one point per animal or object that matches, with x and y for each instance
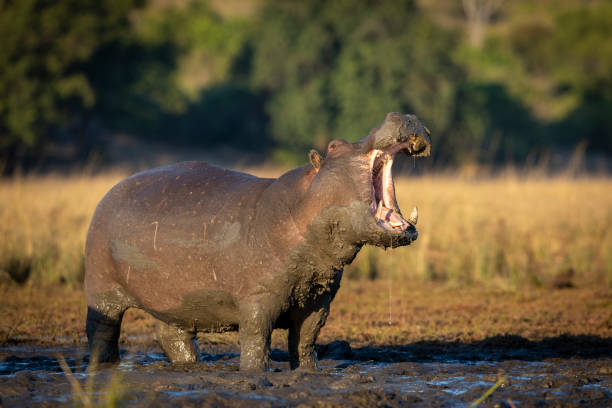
(254, 332)
(302, 337)
(103, 328)
(179, 344)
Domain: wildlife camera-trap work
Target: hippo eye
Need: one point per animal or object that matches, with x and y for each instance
(335, 144)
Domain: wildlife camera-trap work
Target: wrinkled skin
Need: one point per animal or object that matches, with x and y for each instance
(207, 249)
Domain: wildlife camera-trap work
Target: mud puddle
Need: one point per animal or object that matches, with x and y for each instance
(371, 376)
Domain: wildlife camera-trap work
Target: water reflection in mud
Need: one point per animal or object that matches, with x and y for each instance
(32, 376)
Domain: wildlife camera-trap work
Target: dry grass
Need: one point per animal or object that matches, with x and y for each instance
(433, 312)
(359, 314)
(43, 223)
(503, 232)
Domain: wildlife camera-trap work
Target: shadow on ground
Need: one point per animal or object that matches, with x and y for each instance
(492, 349)
(495, 348)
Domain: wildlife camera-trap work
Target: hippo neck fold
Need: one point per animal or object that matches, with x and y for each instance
(317, 263)
(311, 237)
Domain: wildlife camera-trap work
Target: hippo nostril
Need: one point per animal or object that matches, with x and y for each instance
(418, 145)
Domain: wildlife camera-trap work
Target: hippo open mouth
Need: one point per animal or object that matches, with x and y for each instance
(384, 205)
(398, 133)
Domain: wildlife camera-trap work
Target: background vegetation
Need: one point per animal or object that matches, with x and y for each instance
(496, 81)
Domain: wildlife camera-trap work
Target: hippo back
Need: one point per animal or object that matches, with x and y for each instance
(176, 230)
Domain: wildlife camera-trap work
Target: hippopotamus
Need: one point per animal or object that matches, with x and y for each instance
(205, 249)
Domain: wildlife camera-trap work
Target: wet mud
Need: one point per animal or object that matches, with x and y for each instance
(562, 371)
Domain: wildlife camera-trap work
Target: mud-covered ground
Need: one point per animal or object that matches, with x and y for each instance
(444, 347)
(535, 374)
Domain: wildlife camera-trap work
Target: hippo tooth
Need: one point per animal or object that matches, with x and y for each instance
(379, 210)
(414, 216)
(395, 224)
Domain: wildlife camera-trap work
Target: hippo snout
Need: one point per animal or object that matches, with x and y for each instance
(403, 132)
(418, 146)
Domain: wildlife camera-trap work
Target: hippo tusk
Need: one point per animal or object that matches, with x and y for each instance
(379, 210)
(414, 216)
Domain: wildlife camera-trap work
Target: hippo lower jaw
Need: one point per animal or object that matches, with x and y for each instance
(383, 203)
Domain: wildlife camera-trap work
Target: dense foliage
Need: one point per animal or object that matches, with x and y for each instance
(296, 74)
(44, 46)
(334, 69)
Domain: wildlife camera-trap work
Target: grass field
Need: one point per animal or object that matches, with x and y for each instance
(506, 232)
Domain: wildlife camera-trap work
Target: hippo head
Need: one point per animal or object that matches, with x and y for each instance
(356, 179)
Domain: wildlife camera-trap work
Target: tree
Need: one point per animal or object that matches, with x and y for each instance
(582, 45)
(479, 14)
(43, 48)
(334, 69)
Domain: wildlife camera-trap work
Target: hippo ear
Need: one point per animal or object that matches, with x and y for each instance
(315, 159)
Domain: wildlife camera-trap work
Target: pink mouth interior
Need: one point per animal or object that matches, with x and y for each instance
(384, 204)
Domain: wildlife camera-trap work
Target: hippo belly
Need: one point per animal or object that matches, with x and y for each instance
(207, 310)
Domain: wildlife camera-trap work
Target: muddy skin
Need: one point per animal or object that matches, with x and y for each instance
(207, 249)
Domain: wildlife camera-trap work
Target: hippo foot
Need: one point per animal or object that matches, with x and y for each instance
(179, 344)
(307, 368)
(102, 353)
(254, 354)
(254, 358)
(306, 362)
(254, 333)
(103, 336)
(254, 366)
